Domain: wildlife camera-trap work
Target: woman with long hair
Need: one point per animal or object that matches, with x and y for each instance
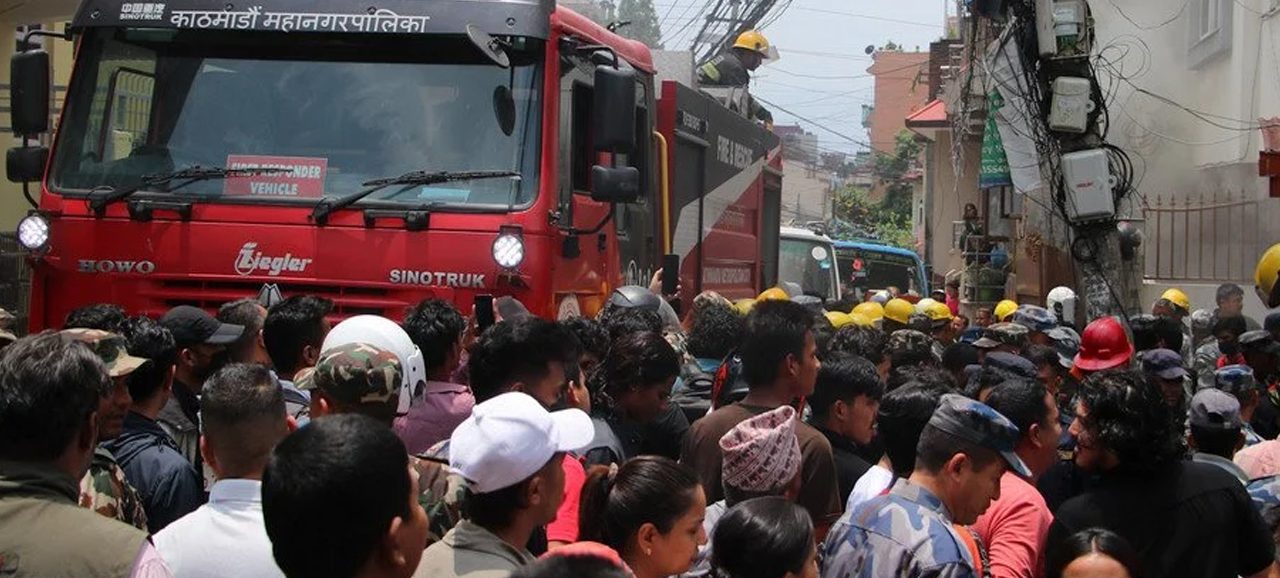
(650, 510)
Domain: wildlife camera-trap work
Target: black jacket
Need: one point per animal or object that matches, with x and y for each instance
(167, 483)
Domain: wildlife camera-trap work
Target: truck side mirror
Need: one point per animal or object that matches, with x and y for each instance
(29, 92)
(615, 184)
(25, 164)
(613, 114)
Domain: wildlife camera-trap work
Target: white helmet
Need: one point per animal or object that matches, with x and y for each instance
(881, 296)
(922, 306)
(384, 333)
(1062, 302)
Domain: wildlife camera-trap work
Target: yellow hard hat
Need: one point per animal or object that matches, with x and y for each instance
(1177, 297)
(1004, 309)
(1265, 275)
(838, 319)
(871, 310)
(899, 310)
(754, 41)
(774, 294)
(938, 312)
(861, 320)
(744, 306)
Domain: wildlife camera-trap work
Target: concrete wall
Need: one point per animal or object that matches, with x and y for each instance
(806, 193)
(12, 204)
(1184, 157)
(949, 191)
(901, 89)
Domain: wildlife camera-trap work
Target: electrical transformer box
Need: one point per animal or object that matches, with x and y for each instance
(1071, 104)
(1088, 181)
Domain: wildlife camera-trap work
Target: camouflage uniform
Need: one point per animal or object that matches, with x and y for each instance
(441, 494)
(105, 490)
(1265, 493)
(358, 373)
(908, 532)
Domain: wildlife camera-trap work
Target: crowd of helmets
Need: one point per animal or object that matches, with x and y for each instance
(774, 437)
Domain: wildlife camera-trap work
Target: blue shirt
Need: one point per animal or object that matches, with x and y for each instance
(904, 533)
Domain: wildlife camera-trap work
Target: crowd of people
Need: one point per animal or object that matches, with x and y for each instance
(763, 438)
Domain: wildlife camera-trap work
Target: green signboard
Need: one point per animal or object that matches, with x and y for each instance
(994, 171)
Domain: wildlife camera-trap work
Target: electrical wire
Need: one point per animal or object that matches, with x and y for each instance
(1161, 24)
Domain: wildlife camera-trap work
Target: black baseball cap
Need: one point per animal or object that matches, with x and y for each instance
(192, 326)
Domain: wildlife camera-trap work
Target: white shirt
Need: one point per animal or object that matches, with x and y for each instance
(225, 537)
(871, 484)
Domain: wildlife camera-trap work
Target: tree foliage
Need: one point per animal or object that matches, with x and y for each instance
(643, 22)
(889, 221)
(858, 217)
(641, 15)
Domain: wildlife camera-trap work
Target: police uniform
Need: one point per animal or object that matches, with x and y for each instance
(908, 532)
(1265, 495)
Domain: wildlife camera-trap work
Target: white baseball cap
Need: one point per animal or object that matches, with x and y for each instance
(510, 437)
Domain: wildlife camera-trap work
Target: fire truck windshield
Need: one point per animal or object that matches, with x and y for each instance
(333, 111)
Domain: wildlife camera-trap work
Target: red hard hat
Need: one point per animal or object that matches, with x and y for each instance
(1104, 345)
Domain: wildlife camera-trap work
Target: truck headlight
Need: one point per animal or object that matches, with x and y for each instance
(508, 248)
(33, 232)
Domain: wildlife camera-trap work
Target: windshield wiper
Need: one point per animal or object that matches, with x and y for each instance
(320, 215)
(189, 175)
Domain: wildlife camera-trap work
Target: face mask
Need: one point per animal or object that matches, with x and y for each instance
(1229, 348)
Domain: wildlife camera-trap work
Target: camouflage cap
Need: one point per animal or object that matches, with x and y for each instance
(1035, 318)
(1235, 379)
(110, 348)
(355, 373)
(1002, 334)
(977, 423)
(908, 340)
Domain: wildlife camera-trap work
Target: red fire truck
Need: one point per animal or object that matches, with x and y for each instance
(379, 155)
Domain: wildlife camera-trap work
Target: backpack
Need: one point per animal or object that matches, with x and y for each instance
(694, 396)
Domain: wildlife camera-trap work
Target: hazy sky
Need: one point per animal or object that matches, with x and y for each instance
(823, 47)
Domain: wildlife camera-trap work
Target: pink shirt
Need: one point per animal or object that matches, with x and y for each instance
(149, 564)
(431, 419)
(565, 527)
(1260, 460)
(1014, 528)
